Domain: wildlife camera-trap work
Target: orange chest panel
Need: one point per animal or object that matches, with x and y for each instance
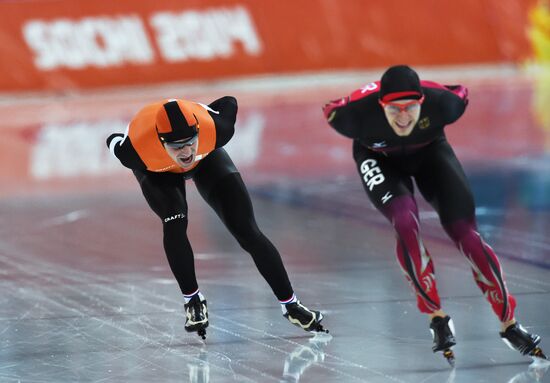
(143, 135)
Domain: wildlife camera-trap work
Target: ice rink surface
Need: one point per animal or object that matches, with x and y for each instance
(87, 295)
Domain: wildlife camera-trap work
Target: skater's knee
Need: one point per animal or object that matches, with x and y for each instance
(243, 228)
(402, 212)
(248, 236)
(463, 232)
(174, 224)
(405, 222)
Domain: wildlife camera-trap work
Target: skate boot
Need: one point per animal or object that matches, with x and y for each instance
(301, 316)
(442, 330)
(197, 316)
(517, 338)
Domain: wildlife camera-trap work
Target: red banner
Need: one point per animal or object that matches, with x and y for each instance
(67, 44)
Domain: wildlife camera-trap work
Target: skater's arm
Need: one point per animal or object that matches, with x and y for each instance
(349, 115)
(224, 113)
(120, 146)
(454, 102)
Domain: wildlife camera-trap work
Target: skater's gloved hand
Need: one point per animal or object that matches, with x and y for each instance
(460, 91)
(329, 109)
(117, 137)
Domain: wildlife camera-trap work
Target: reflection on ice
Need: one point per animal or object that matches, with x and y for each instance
(295, 365)
(199, 369)
(304, 356)
(536, 371)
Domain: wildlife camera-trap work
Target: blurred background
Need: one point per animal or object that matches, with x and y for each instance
(72, 72)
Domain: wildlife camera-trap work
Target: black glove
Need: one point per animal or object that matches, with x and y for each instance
(111, 137)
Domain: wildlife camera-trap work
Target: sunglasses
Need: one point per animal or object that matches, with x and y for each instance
(182, 144)
(396, 108)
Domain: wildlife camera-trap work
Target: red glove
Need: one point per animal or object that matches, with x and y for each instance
(460, 91)
(329, 109)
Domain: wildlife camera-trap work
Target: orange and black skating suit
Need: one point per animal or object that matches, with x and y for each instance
(217, 179)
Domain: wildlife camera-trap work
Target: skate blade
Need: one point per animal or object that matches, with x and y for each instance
(450, 356)
(319, 329)
(537, 353)
(202, 333)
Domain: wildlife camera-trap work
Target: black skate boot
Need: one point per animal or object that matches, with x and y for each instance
(197, 316)
(442, 330)
(517, 338)
(301, 316)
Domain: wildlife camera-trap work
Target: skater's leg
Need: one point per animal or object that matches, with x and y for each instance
(413, 257)
(391, 192)
(489, 277)
(221, 186)
(226, 193)
(392, 195)
(165, 194)
(485, 268)
(445, 186)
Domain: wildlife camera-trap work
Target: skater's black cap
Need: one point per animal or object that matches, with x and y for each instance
(400, 82)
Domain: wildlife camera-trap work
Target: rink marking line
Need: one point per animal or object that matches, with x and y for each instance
(17, 379)
(70, 217)
(8, 366)
(102, 322)
(158, 297)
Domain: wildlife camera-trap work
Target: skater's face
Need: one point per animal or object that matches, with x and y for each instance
(402, 115)
(183, 152)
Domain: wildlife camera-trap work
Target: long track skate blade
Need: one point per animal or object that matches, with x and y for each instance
(450, 356)
(537, 353)
(202, 333)
(320, 328)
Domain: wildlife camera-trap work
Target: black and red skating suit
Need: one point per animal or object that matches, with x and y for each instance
(388, 163)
